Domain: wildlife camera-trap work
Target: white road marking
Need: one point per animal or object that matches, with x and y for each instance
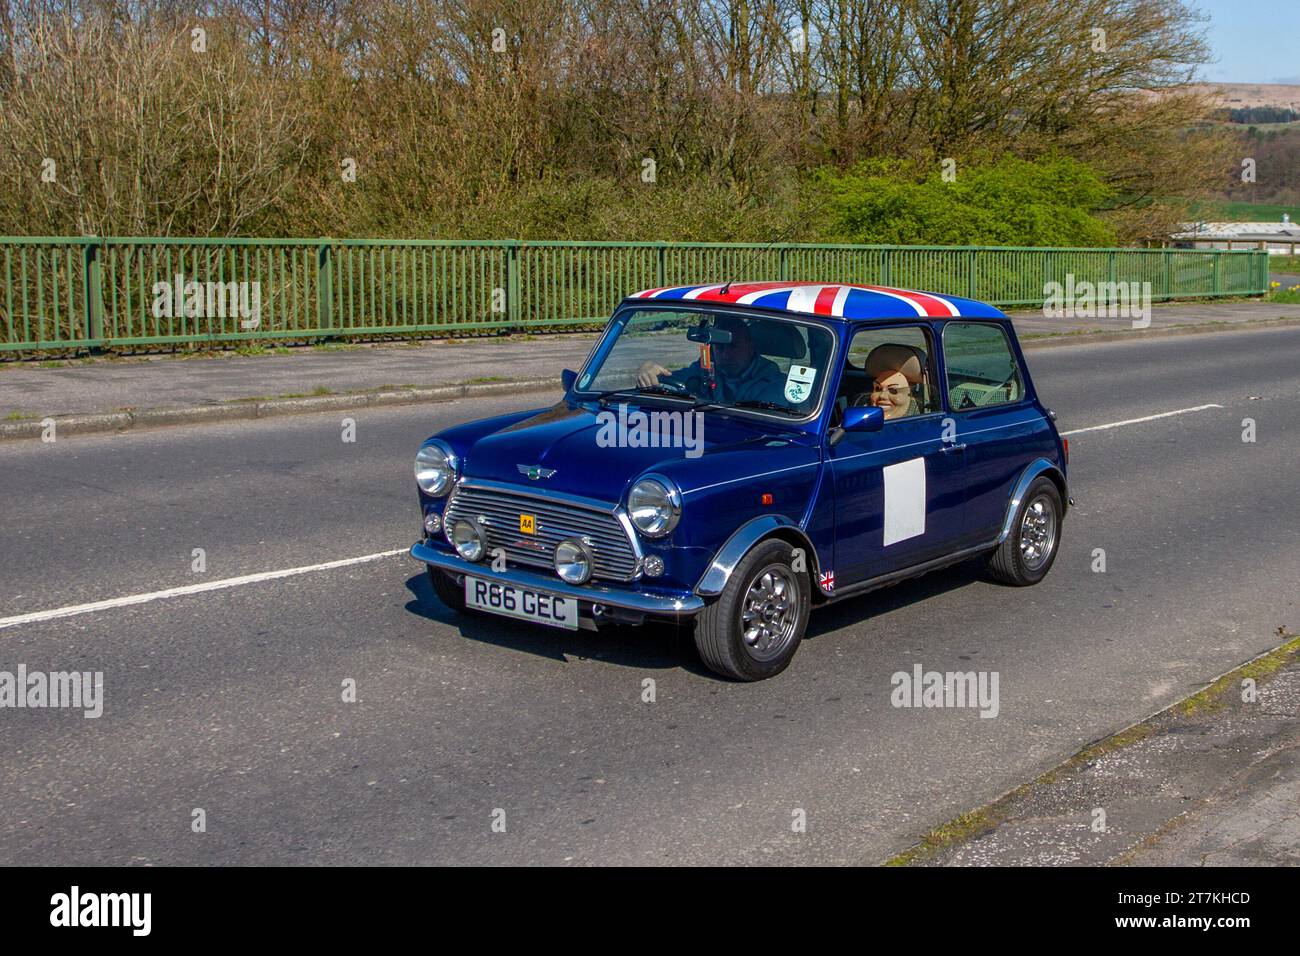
(74, 609)
(1135, 421)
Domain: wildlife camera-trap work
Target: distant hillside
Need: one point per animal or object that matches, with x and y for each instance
(1219, 210)
(1247, 95)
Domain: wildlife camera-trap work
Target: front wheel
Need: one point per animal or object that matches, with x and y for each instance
(449, 592)
(1027, 554)
(752, 631)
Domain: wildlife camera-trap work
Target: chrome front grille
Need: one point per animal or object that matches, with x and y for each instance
(497, 510)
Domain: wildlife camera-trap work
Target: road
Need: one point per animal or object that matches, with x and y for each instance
(231, 700)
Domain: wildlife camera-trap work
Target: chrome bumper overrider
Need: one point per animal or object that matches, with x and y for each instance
(591, 593)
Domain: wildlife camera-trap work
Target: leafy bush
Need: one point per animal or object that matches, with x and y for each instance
(1052, 201)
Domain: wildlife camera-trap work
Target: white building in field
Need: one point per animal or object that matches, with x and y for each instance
(1279, 238)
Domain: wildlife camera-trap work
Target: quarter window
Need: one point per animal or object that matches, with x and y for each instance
(981, 369)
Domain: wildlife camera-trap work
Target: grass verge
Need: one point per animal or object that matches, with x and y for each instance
(975, 823)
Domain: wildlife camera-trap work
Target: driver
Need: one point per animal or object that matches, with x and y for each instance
(739, 372)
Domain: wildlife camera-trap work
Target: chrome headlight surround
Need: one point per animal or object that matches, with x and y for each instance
(654, 505)
(574, 561)
(436, 468)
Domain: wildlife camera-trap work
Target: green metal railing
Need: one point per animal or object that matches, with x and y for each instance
(96, 292)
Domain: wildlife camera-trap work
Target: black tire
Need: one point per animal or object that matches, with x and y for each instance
(720, 634)
(449, 592)
(1023, 558)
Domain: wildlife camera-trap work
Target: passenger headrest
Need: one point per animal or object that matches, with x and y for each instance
(907, 359)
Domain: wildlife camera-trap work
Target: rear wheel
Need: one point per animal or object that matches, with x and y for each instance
(449, 592)
(754, 628)
(1027, 554)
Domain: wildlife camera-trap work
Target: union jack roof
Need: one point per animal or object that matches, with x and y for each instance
(832, 300)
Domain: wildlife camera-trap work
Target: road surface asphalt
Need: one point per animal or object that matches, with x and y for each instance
(231, 701)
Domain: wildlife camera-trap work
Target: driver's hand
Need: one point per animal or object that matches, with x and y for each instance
(649, 372)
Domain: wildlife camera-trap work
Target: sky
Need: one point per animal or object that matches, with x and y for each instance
(1254, 41)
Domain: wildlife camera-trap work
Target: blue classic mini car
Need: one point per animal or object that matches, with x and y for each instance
(740, 454)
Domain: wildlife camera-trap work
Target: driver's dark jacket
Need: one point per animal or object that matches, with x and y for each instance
(760, 380)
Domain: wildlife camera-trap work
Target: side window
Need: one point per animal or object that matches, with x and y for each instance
(981, 369)
(892, 368)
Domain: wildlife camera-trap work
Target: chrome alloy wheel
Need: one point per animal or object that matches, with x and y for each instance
(1037, 533)
(770, 612)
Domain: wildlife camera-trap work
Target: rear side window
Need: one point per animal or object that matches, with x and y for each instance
(981, 369)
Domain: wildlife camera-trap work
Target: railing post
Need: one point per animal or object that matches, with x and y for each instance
(1218, 272)
(325, 285)
(512, 282)
(782, 269)
(1110, 278)
(660, 281)
(971, 274)
(884, 266)
(1168, 273)
(94, 291)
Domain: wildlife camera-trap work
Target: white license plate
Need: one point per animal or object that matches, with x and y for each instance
(524, 603)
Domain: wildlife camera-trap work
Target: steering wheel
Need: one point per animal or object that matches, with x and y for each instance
(676, 388)
(695, 386)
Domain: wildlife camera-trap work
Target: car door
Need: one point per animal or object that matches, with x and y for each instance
(899, 491)
(1001, 429)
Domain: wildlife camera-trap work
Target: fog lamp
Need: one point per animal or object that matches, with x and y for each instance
(573, 562)
(466, 538)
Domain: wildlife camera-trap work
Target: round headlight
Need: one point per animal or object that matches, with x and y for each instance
(573, 561)
(654, 505)
(435, 470)
(466, 539)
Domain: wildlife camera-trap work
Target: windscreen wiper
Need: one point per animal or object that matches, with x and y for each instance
(752, 403)
(659, 388)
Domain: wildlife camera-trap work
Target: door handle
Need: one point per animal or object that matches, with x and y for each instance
(952, 448)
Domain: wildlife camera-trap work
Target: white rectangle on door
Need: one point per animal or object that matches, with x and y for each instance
(904, 500)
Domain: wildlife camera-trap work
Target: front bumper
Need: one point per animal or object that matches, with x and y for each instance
(590, 593)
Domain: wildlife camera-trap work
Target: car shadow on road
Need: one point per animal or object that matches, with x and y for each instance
(861, 609)
(663, 646)
(656, 646)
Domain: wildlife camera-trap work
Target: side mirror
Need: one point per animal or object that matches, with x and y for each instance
(864, 418)
(567, 378)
